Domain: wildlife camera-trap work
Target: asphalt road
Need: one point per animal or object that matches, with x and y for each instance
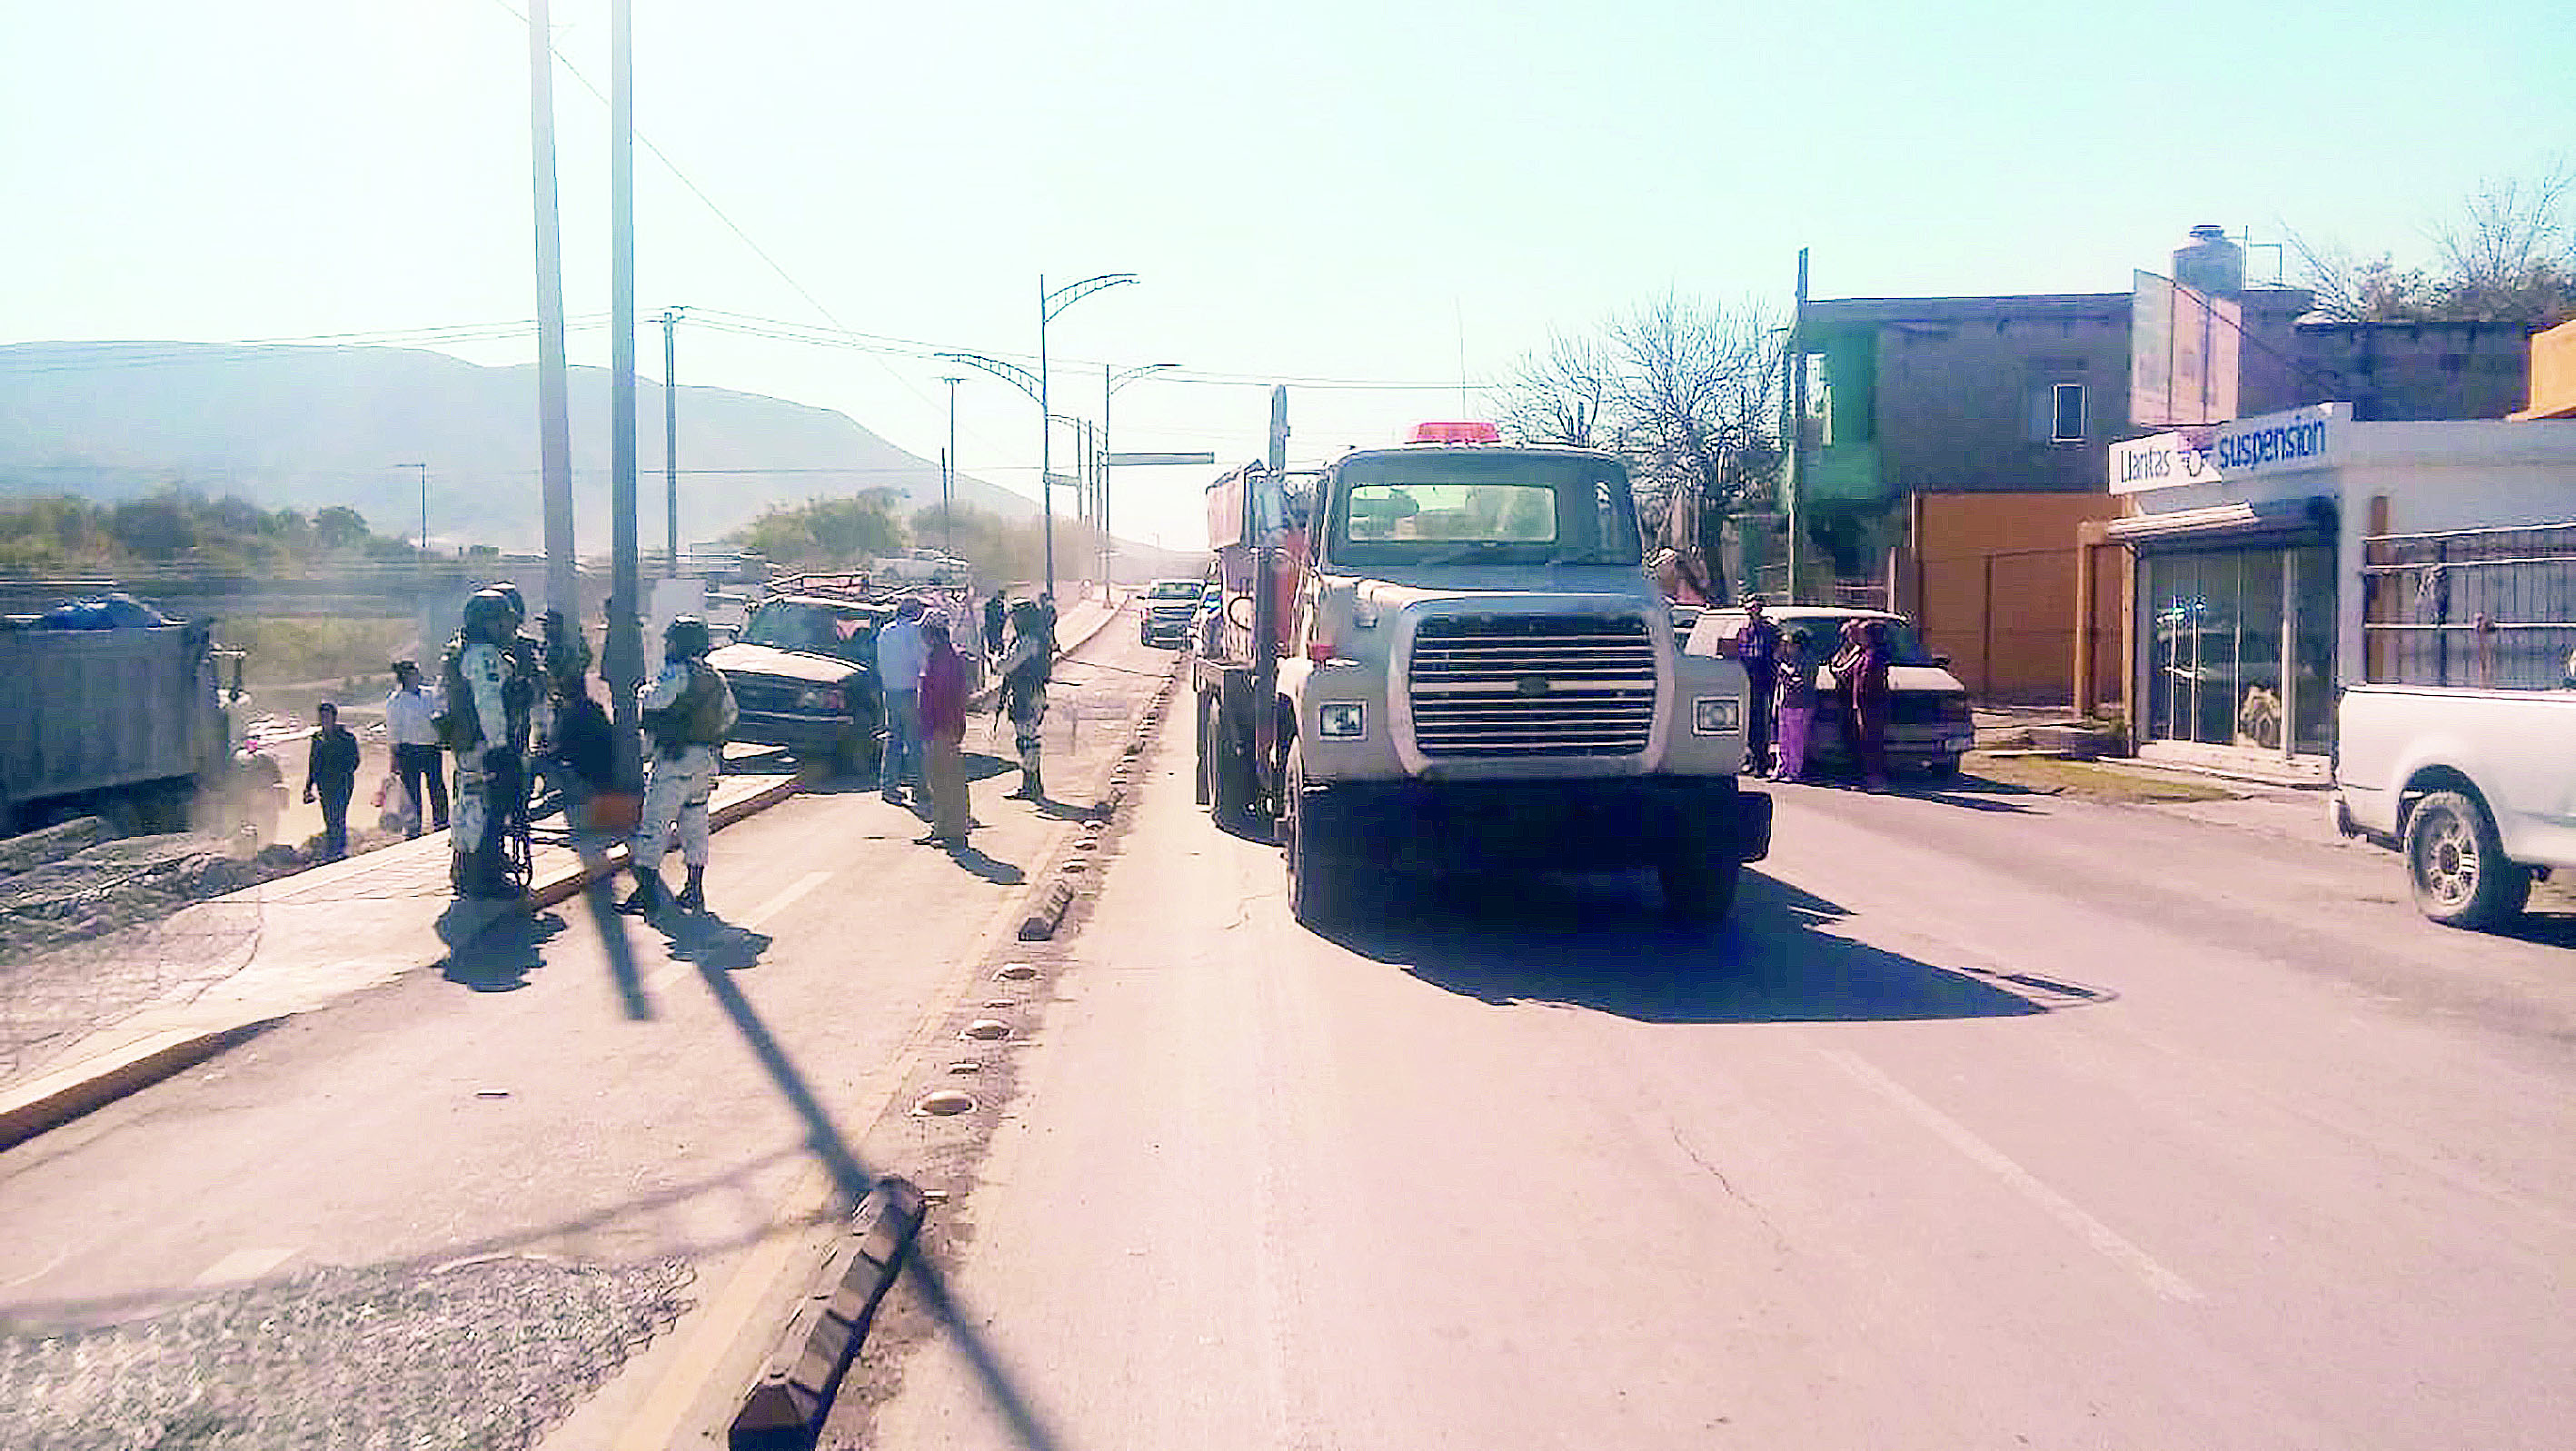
(1991, 1120)
(342, 1184)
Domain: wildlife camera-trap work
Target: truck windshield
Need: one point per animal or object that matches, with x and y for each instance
(850, 634)
(1460, 507)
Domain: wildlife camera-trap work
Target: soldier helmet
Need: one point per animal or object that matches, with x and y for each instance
(687, 637)
(488, 617)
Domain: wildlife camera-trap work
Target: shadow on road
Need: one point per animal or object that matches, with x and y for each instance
(710, 941)
(991, 869)
(492, 946)
(1603, 943)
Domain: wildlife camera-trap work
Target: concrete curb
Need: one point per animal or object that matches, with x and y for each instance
(1049, 903)
(58, 1098)
(574, 882)
(802, 1377)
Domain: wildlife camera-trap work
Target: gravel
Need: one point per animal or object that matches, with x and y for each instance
(483, 1355)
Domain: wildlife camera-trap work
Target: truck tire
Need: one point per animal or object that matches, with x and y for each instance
(2458, 865)
(1320, 879)
(1698, 889)
(1202, 784)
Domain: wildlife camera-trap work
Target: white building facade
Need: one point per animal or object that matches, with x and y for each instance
(2281, 556)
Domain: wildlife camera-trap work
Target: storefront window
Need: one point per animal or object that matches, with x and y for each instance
(2219, 620)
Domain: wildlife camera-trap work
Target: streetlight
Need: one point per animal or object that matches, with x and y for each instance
(1110, 383)
(1050, 303)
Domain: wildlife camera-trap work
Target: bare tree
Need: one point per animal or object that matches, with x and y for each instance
(1686, 393)
(2510, 257)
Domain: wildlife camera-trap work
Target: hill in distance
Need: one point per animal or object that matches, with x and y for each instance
(306, 427)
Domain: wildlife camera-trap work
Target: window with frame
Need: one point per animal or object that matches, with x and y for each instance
(2066, 413)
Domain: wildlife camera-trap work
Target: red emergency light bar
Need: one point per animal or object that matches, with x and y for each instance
(1456, 432)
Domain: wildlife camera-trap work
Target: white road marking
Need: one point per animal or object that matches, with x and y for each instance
(244, 1264)
(786, 898)
(2092, 1231)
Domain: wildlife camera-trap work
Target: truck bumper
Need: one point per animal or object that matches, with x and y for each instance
(1573, 825)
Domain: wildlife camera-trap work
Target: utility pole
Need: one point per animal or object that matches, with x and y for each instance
(1110, 383)
(670, 320)
(1792, 478)
(554, 414)
(948, 473)
(625, 652)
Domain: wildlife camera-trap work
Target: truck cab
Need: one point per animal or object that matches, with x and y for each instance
(1477, 673)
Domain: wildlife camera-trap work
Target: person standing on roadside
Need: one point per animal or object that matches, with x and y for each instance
(688, 711)
(1796, 698)
(331, 773)
(943, 738)
(1046, 616)
(1870, 704)
(1026, 668)
(1757, 649)
(899, 661)
(996, 613)
(411, 716)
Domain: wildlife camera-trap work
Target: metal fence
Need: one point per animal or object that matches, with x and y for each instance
(2485, 608)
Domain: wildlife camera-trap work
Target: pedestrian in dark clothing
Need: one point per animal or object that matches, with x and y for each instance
(331, 775)
(996, 611)
(1870, 704)
(1757, 649)
(1046, 616)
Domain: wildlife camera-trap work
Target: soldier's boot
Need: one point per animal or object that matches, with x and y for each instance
(693, 897)
(647, 896)
(1032, 788)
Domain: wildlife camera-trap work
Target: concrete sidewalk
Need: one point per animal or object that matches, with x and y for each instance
(310, 939)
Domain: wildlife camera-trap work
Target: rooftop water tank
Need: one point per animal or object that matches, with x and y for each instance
(2209, 263)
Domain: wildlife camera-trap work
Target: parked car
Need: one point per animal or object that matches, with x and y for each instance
(1928, 724)
(1167, 609)
(804, 677)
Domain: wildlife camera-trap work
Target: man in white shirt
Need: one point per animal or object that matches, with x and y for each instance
(411, 715)
(900, 659)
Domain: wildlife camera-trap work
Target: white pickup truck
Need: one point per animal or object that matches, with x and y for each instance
(2476, 787)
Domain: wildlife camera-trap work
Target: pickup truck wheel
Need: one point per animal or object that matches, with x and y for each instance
(2458, 865)
(1698, 889)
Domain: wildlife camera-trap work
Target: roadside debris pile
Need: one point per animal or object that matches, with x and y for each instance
(78, 880)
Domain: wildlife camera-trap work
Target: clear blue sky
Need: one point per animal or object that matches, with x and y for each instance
(1374, 192)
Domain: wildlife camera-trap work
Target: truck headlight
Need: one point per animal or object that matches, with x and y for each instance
(1341, 720)
(1717, 715)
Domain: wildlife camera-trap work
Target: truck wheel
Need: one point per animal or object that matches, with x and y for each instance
(1319, 873)
(2461, 876)
(1698, 889)
(1203, 789)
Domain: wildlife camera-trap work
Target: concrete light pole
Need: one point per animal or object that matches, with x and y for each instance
(624, 662)
(670, 321)
(424, 508)
(948, 473)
